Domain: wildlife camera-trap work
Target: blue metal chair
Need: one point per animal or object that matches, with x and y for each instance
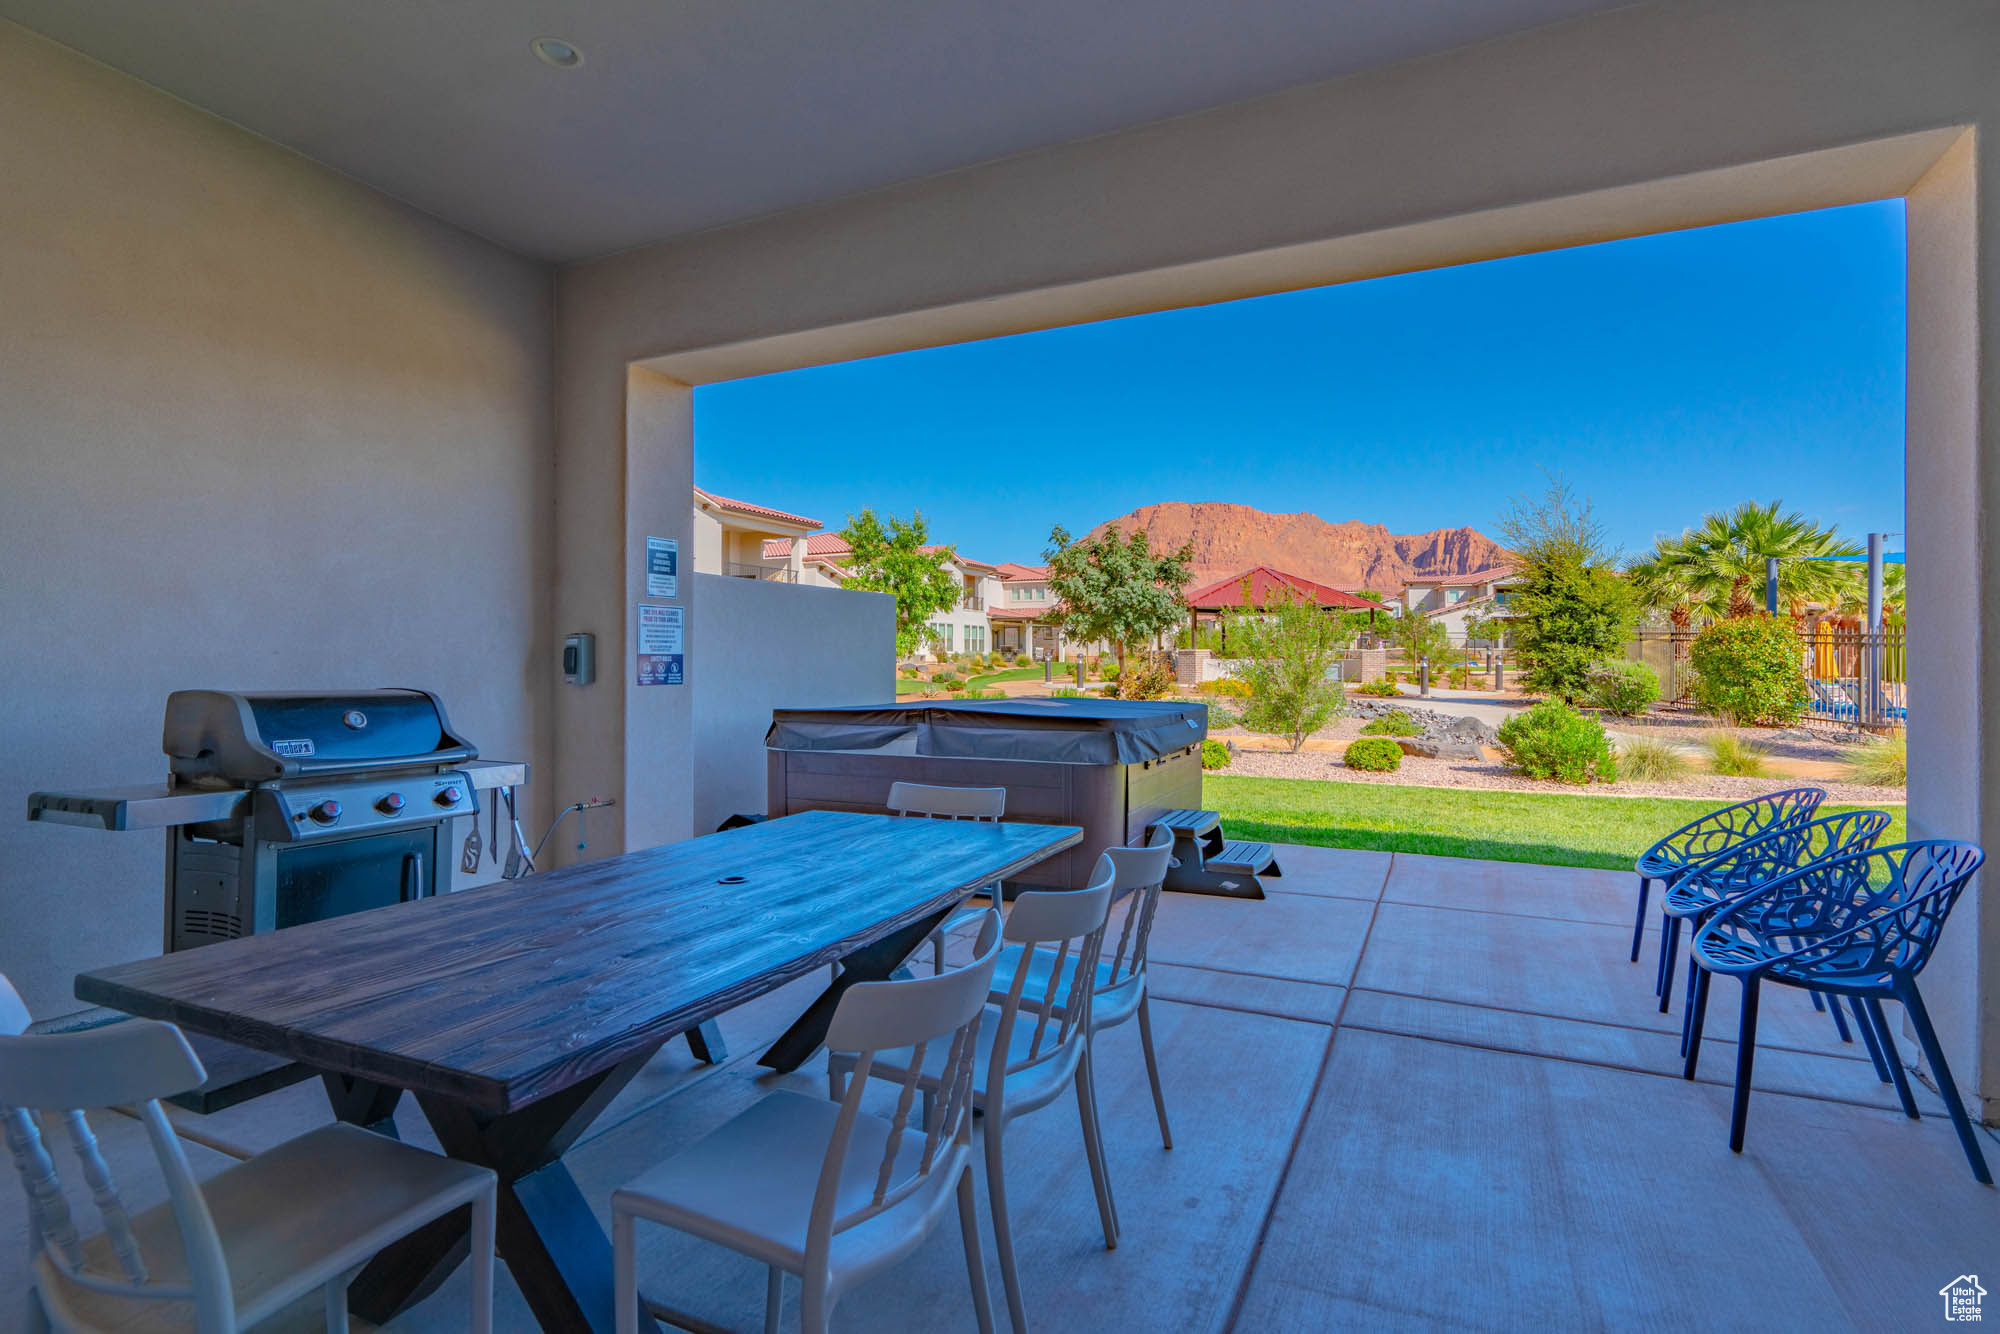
(1714, 834)
(1861, 926)
(1750, 866)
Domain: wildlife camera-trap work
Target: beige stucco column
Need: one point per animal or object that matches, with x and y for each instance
(1953, 494)
(796, 563)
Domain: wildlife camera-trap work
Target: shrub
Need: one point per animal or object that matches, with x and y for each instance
(943, 678)
(1382, 689)
(1458, 678)
(1883, 764)
(1626, 688)
(1554, 741)
(1065, 692)
(1227, 686)
(1153, 680)
(1733, 757)
(1649, 760)
(1376, 754)
(954, 685)
(1219, 717)
(1214, 755)
(1751, 668)
(1396, 723)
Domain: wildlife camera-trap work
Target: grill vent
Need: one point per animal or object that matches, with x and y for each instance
(215, 925)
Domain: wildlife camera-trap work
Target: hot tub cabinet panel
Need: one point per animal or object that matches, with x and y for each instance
(1110, 766)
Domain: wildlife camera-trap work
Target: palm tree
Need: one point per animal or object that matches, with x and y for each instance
(1852, 600)
(1662, 581)
(1717, 569)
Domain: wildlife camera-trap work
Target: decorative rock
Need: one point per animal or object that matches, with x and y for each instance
(1447, 736)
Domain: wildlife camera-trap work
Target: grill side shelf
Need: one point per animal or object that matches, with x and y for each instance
(126, 808)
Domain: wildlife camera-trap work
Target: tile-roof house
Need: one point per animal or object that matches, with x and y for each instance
(748, 540)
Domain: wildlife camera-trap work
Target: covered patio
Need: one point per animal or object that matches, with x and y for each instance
(347, 350)
(1407, 1092)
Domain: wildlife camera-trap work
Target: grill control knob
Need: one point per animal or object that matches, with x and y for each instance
(326, 812)
(390, 804)
(448, 796)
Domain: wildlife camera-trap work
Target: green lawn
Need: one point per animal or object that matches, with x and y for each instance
(1555, 829)
(905, 686)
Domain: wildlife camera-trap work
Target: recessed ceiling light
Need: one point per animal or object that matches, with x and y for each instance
(557, 52)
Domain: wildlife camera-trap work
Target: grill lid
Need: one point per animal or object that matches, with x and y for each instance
(216, 736)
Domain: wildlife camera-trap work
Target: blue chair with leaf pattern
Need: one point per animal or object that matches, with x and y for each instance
(1862, 926)
(1750, 866)
(1712, 835)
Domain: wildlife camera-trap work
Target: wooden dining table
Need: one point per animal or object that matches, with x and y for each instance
(515, 1012)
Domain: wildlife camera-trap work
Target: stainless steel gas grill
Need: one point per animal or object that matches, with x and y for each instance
(289, 808)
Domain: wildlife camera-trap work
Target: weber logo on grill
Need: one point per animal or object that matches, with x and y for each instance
(292, 750)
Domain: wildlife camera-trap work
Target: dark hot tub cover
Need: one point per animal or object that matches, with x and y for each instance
(1050, 731)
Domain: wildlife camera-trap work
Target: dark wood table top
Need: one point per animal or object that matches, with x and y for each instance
(501, 995)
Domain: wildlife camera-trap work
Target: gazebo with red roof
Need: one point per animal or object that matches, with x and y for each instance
(1256, 588)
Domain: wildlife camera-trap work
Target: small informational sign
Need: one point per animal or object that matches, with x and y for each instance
(663, 567)
(661, 645)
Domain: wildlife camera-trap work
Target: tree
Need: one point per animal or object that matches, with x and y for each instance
(891, 558)
(1717, 569)
(1571, 609)
(1490, 630)
(1115, 588)
(1288, 647)
(1418, 635)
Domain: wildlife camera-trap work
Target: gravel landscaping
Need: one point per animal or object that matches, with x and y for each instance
(1486, 774)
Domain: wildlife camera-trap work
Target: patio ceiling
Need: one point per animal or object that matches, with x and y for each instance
(688, 115)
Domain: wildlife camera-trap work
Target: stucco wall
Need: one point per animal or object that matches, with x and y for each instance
(808, 647)
(259, 427)
(1649, 117)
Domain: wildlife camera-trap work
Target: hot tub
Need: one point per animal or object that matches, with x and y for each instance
(1109, 765)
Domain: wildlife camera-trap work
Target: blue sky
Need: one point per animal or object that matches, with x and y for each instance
(1662, 376)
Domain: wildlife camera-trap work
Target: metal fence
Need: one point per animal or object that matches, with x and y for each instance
(1859, 679)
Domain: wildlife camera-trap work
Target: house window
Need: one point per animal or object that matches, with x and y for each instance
(941, 635)
(975, 639)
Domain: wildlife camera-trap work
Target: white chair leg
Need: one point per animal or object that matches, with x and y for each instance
(774, 1298)
(1093, 1151)
(815, 1307)
(485, 1210)
(336, 1305)
(1153, 1072)
(624, 1274)
(975, 1263)
(1003, 1236)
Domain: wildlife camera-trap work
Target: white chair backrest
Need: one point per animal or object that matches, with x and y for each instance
(1135, 896)
(1068, 926)
(134, 1063)
(948, 803)
(915, 1013)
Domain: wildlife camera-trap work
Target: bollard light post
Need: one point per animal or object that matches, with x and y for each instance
(1424, 676)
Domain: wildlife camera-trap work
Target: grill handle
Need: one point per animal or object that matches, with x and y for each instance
(439, 757)
(413, 877)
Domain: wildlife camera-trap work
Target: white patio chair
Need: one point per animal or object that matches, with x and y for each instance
(1022, 1065)
(223, 1254)
(1120, 993)
(827, 1191)
(931, 801)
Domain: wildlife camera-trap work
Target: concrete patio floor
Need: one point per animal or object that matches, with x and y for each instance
(1407, 1093)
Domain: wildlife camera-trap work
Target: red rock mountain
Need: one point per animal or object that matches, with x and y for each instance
(1228, 538)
